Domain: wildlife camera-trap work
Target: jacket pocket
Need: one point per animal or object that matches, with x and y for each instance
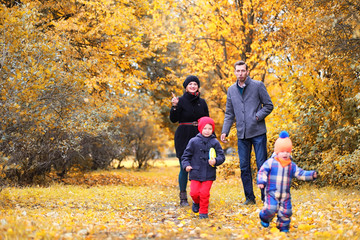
(195, 167)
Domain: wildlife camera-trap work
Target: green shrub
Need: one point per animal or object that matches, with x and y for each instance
(342, 171)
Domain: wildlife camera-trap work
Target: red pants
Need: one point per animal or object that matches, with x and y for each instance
(200, 194)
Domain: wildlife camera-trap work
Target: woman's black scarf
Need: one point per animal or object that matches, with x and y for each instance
(192, 97)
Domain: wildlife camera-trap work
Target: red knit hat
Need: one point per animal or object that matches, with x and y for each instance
(205, 120)
(283, 143)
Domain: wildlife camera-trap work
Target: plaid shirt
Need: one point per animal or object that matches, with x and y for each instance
(277, 179)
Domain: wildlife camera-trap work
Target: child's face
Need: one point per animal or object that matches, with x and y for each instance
(284, 155)
(207, 130)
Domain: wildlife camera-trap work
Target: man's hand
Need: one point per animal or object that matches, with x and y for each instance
(223, 138)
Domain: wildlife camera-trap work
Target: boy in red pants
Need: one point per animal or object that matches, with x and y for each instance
(202, 170)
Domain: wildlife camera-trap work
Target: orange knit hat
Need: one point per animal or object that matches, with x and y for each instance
(283, 143)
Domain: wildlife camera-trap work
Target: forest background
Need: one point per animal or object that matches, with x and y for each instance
(85, 82)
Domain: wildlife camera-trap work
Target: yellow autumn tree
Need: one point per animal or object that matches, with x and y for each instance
(318, 72)
(306, 53)
(108, 54)
(114, 40)
(117, 40)
(319, 69)
(86, 72)
(41, 95)
(213, 35)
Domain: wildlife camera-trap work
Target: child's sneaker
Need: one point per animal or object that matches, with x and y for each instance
(195, 207)
(203, 215)
(285, 229)
(264, 224)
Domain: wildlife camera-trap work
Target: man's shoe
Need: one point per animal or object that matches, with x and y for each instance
(264, 224)
(249, 202)
(203, 215)
(195, 207)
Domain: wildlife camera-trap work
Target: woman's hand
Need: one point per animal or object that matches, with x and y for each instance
(174, 100)
(188, 168)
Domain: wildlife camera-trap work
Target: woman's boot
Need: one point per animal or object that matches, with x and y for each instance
(183, 199)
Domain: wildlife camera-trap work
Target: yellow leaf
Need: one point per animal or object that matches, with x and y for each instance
(305, 227)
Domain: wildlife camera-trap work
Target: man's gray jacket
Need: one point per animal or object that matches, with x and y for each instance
(254, 102)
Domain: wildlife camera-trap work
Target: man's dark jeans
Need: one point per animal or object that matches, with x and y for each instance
(244, 150)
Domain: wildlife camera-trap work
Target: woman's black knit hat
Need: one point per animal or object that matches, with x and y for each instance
(191, 78)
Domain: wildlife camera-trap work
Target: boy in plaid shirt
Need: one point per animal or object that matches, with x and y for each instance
(275, 176)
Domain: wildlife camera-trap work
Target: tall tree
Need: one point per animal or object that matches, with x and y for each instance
(213, 35)
(41, 94)
(319, 72)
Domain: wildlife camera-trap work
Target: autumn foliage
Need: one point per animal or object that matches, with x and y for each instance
(85, 82)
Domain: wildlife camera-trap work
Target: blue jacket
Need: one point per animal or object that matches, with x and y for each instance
(254, 102)
(196, 155)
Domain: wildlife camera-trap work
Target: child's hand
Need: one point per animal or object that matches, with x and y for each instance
(212, 162)
(315, 175)
(261, 186)
(188, 168)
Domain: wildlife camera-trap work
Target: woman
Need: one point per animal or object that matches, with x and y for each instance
(187, 110)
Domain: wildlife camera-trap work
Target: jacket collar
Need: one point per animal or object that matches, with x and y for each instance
(199, 135)
(247, 81)
(191, 97)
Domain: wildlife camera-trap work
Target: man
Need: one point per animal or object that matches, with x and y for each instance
(249, 103)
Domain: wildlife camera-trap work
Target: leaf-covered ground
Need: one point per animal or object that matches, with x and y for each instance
(127, 204)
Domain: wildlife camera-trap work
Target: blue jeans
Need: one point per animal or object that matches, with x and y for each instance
(244, 150)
